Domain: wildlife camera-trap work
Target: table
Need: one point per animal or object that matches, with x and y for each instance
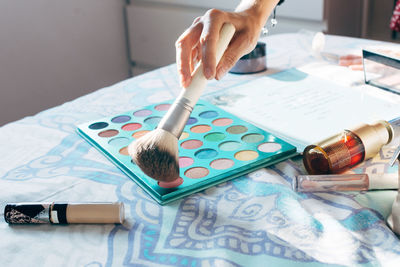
(254, 220)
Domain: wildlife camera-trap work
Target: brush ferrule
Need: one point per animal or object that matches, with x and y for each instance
(177, 116)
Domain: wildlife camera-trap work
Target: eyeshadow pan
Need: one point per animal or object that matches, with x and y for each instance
(222, 122)
(246, 155)
(185, 162)
(98, 125)
(121, 119)
(142, 113)
(237, 129)
(206, 153)
(252, 138)
(124, 151)
(208, 114)
(152, 120)
(191, 121)
(172, 184)
(214, 137)
(230, 146)
(131, 126)
(221, 164)
(162, 107)
(184, 135)
(269, 147)
(108, 133)
(139, 134)
(200, 128)
(119, 141)
(192, 144)
(197, 172)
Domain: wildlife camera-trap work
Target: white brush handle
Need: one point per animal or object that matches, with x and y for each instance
(196, 87)
(178, 114)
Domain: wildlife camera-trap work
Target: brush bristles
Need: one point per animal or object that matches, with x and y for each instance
(156, 154)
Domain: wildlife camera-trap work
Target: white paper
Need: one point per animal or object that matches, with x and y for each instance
(304, 109)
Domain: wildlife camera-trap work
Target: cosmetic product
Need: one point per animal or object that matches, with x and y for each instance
(215, 146)
(382, 69)
(63, 213)
(345, 150)
(342, 182)
(253, 62)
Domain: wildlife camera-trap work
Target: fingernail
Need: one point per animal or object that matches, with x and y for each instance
(208, 73)
(221, 73)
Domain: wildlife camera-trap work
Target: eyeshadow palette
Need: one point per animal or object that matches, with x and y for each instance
(214, 147)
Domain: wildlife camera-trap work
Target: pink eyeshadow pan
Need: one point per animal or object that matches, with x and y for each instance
(162, 107)
(131, 126)
(185, 162)
(108, 133)
(172, 184)
(197, 172)
(142, 113)
(221, 164)
(192, 144)
(222, 122)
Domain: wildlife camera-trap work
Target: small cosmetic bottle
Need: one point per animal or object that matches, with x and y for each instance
(347, 149)
(343, 182)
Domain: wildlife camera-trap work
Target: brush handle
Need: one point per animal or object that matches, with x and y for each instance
(178, 114)
(196, 87)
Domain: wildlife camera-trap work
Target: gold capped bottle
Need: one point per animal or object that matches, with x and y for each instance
(345, 150)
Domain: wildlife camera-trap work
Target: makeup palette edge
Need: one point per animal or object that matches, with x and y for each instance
(166, 195)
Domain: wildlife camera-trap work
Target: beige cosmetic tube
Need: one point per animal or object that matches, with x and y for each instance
(63, 213)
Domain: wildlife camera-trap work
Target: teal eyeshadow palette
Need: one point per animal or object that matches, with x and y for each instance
(214, 147)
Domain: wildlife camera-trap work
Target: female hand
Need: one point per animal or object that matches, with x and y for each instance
(198, 42)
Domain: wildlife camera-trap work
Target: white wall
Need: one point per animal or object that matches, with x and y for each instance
(52, 51)
(154, 25)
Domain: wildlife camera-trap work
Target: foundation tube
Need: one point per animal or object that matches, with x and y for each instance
(64, 213)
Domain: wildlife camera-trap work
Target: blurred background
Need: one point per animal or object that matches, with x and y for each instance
(53, 51)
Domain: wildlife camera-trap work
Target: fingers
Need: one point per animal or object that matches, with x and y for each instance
(184, 46)
(237, 48)
(195, 58)
(213, 21)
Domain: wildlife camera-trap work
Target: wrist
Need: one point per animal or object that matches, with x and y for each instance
(258, 10)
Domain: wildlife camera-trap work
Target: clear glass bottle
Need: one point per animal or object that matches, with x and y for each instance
(331, 182)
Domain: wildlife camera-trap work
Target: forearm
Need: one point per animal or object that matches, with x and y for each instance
(260, 9)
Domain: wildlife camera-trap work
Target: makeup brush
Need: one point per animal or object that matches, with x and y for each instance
(156, 153)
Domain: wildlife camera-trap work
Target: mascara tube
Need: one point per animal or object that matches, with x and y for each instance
(63, 213)
(343, 182)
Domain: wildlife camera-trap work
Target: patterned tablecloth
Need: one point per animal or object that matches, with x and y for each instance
(254, 220)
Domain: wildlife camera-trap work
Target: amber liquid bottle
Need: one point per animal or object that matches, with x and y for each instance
(347, 149)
